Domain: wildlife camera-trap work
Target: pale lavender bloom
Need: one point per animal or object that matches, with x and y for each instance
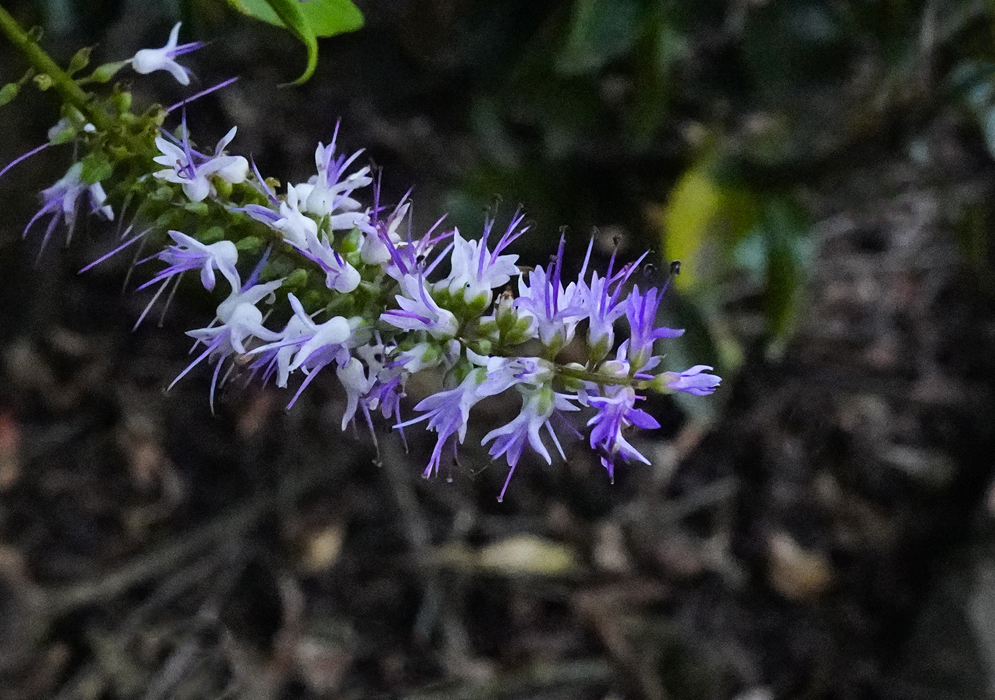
(276, 357)
(409, 257)
(357, 384)
(63, 197)
(307, 346)
(505, 372)
(240, 322)
(295, 226)
(387, 393)
(447, 413)
(616, 413)
(385, 386)
(601, 300)
(290, 220)
(556, 311)
(339, 274)
(183, 168)
(641, 313)
(98, 199)
(150, 60)
(380, 238)
(320, 345)
(539, 405)
(419, 311)
(424, 355)
(476, 271)
(330, 190)
(190, 254)
(401, 256)
(693, 381)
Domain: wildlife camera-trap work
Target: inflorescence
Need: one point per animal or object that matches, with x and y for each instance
(335, 283)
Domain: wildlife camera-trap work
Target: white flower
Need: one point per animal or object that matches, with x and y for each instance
(293, 224)
(183, 168)
(151, 60)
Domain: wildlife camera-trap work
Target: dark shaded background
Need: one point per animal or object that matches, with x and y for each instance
(820, 528)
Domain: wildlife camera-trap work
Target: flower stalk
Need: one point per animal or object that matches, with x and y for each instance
(323, 278)
(61, 81)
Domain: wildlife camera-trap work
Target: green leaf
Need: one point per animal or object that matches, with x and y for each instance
(8, 92)
(306, 20)
(694, 203)
(96, 167)
(706, 218)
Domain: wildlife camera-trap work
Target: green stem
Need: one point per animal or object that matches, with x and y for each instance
(596, 377)
(43, 63)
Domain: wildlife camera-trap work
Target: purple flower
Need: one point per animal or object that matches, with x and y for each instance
(63, 197)
(555, 310)
(420, 312)
(307, 346)
(240, 322)
(476, 271)
(641, 313)
(447, 413)
(380, 238)
(693, 381)
(329, 192)
(357, 382)
(616, 413)
(539, 404)
(602, 303)
(193, 170)
(339, 274)
(150, 60)
(296, 226)
(190, 254)
(276, 357)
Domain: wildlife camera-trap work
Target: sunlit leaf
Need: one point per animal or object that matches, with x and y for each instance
(693, 205)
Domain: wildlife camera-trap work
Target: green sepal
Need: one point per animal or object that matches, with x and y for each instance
(296, 279)
(211, 235)
(197, 208)
(43, 81)
(121, 99)
(106, 71)
(8, 92)
(64, 136)
(96, 168)
(249, 244)
(79, 61)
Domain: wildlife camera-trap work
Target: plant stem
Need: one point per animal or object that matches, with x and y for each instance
(43, 63)
(597, 377)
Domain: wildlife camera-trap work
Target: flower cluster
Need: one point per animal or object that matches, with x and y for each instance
(343, 284)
